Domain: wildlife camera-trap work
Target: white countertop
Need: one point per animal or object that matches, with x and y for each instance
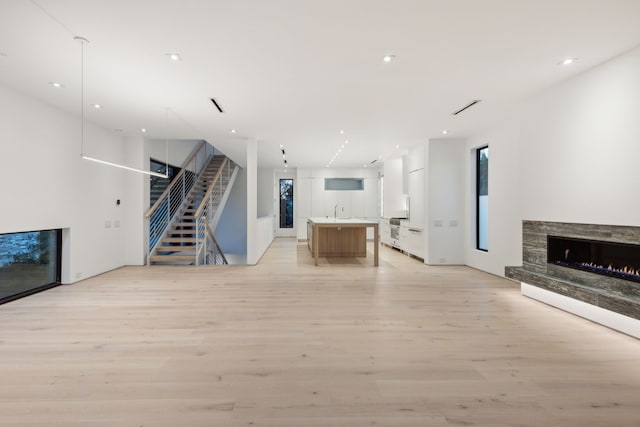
(345, 221)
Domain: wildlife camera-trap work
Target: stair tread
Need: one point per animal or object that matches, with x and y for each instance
(178, 240)
(169, 258)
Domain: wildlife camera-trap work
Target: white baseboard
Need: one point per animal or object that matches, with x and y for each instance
(608, 318)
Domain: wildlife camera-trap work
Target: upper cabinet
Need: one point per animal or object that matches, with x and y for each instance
(394, 200)
(416, 185)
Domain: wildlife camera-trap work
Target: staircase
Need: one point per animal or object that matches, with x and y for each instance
(180, 242)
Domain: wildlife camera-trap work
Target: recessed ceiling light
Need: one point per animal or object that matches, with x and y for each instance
(341, 132)
(56, 84)
(364, 165)
(568, 61)
(388, 58)
(397, 145)
(234, 131)
(97, 106)
(346, 141)
(143, 130)
(444, 132)
(175, 57)
(379, 157)
(281, 146)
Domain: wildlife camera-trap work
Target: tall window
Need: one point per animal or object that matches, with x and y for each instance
(29, 262)
(286, 203)
(482, 198)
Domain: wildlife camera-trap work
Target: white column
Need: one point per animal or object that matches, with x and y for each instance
(252, 201)
(134, 202)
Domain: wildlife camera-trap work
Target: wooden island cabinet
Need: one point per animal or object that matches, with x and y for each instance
(338, 237)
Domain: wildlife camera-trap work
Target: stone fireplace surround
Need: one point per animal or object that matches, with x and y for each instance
(610, 301)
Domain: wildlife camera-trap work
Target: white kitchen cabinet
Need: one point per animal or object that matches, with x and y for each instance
(416, 198)
(412, 240)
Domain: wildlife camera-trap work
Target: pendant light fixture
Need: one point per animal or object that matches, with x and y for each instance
(82, 41)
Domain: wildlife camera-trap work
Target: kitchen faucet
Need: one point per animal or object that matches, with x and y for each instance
(335, 211)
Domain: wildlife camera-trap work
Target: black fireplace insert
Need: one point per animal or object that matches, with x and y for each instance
(621, 260)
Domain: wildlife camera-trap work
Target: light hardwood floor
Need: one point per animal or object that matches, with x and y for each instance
(285, 343)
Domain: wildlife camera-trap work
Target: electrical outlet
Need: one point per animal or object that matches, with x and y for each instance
(453, 223)
(437, 223)
(78, 275)
(116, 223)
(443, 260)
(107, 224)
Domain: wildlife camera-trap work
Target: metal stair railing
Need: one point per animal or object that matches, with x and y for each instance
(211, 252)
(161, 214)
(207, 210)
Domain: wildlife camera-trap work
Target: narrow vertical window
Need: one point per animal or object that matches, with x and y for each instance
(286, 203)
(482, 199)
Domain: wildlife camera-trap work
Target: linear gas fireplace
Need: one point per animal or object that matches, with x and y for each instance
(621, 260)
(592, 270)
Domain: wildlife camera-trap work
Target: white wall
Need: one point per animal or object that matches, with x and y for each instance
(265, 234)
(135, 202)
(46, 184)
(266, 192)
(314, 201)
(231, 231)
(568, 154)
(179, 150)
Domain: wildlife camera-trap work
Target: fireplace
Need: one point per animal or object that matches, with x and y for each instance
(619, 260)
(592, 270)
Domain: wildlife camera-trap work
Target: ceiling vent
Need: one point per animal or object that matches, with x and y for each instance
(215, 103)
(374, 161)
(469, 105)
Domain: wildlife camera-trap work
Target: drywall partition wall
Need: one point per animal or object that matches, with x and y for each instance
(587, 133)
(312, 200)
(231, 231)
(265, 235)
(445, 194)
(505, 198)
(266, 192)
(46, 184)
(135, 203)
(569, 155)
(252, 201)
(179, 150)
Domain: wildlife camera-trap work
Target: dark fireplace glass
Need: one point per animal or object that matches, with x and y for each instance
(619, 260)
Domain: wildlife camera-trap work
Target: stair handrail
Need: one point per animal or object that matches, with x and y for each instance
(183, 167)
(212, 185)
(162, 213)
(217, 251)
(206, 210)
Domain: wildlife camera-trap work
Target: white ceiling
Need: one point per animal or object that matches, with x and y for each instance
(295, 72)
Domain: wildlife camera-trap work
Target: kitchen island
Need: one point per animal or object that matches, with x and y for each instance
(340, 237)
